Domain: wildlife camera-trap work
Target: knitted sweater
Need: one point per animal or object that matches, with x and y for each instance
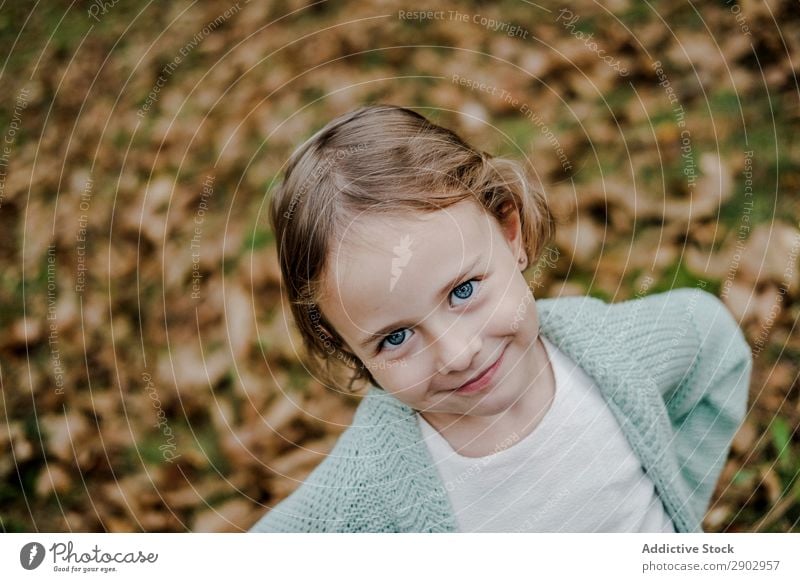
(674, 368)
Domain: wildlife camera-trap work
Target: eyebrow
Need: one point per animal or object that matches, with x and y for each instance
(364, 343)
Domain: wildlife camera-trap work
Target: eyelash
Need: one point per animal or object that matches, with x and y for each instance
(380, 348)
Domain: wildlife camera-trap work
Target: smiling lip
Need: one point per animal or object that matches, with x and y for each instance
(483, 380)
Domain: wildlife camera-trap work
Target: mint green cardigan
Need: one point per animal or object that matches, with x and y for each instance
(674, 368)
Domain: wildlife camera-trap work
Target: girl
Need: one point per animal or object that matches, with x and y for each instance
(402, 250)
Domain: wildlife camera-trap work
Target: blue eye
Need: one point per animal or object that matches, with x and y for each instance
(464, 291)
(394, 339)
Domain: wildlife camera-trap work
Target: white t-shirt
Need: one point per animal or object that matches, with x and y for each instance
(576, 472)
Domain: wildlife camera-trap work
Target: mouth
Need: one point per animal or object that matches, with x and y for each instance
(482, 380)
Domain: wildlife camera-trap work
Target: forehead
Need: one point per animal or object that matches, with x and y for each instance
(389, 263)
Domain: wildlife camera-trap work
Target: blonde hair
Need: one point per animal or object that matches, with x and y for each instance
(381, 159)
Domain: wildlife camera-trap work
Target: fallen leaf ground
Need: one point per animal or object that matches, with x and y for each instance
(149, 378)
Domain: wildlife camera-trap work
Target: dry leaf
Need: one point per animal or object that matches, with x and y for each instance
(52, 479)
(239, 316)
(581, 240)
(771, 254)
(65, 434)
(234, 515)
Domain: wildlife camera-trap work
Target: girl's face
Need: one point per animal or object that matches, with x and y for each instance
(428, 302)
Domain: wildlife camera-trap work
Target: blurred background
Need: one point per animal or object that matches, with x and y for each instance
(150, 374)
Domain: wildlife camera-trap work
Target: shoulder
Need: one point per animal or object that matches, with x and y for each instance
(342, 493)
(669, 312)
(696, 315)
(682, 309)
(687, 320)
(692, 346)
(666, 334)
(378, 478)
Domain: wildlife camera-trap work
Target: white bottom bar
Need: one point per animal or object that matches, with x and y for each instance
(408, 557)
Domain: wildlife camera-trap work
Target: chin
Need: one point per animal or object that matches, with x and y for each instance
(492, 404)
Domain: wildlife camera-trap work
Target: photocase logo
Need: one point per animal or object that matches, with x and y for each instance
(31, 555)
(402, 254)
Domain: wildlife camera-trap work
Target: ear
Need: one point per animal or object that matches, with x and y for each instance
(511, 225)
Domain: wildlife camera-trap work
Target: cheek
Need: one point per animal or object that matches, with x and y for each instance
(400, 376)
(407, 380)
(515, 308)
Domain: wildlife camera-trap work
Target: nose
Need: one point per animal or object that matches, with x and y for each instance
(456, 347)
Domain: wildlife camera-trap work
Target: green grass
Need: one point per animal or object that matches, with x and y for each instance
(257, 238)
(586, 280)
(207, 443)
(727, 104)
(678, 276)
(782, 441)
(12, 525)
(520, 133)
(638, 13)
(743, 476)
